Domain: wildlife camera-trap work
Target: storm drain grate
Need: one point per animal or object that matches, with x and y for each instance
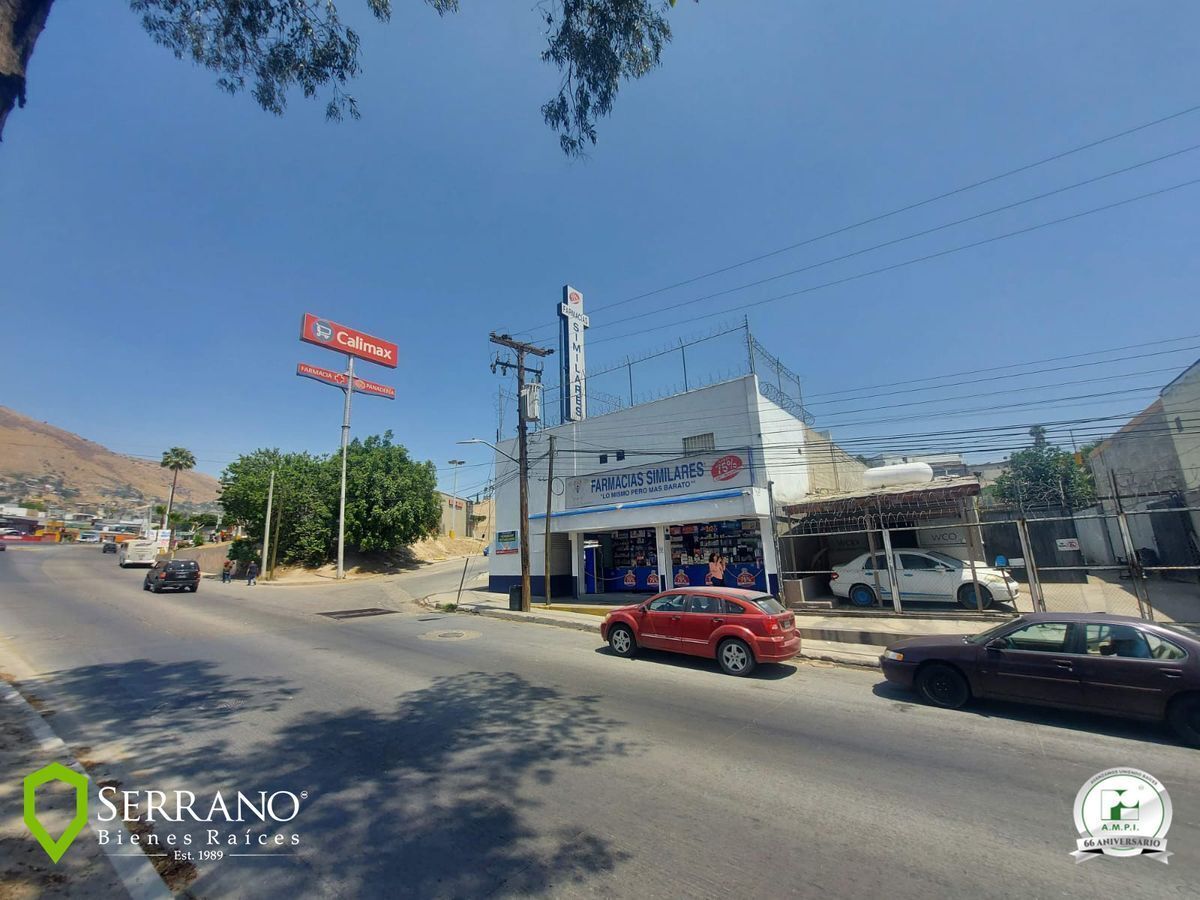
(357, 613)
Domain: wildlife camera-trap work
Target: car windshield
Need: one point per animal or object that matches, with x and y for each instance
(984, 636)
(945, 559)
(768, 604)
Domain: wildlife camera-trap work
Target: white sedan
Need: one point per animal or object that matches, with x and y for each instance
(923, 575)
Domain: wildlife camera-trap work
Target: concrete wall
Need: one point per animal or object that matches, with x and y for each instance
(1181, 415)
(831, 470)
(1143, 456)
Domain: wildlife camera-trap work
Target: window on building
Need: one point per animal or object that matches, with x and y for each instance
(620, 455)
(700, 443)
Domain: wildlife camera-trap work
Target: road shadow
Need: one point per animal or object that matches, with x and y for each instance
(157, 708)
(763, 671)
(447, 792)
(443, 796)
(1111, 726)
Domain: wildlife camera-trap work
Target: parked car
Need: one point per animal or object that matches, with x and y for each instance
(738, 628)
(89, 537)
(1117, 665)
(172, 574)
(10, 532)
(923, 575)
(109, 546)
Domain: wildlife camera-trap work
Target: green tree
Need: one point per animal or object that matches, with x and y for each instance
(177, 459)
(391, 500)
(278, 46)
(1044, 474)
(305, 502)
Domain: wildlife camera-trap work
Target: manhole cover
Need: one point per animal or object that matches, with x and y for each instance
(357, 613)
(451, 635)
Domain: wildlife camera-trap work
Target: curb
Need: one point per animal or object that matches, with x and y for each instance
(532, 617)
(137, 873)
(824, 657)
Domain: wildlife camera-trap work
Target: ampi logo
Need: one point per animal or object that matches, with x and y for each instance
(726, 467)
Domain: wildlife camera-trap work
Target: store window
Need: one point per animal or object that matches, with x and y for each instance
(727, 553)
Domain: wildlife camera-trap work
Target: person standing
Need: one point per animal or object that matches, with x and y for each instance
(716, 569)
(252, 573)
(227, 571)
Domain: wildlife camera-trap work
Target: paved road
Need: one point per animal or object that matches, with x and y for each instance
(464, 757)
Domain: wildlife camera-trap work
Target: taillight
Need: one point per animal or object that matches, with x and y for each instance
(833, 576)
(162, 575)
(772, 625)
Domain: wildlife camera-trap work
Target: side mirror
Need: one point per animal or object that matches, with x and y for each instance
(997, 644)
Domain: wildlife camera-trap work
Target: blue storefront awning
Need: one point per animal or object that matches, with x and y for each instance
(642, 504)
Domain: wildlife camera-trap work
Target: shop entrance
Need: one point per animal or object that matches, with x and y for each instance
(728, 553)
(622, 561)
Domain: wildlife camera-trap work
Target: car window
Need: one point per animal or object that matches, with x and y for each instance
(698, 603)
(1115, 640)
(768, 604)
(1044, 637)
(732, 607)
(669, 603)
(879, 560)
(917, 561)
(1161, 648)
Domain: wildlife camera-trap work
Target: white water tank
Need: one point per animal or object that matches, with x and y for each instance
(904, 473)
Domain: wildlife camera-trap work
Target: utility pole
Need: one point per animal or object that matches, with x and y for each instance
(521, 348)
(341, 564)
(270, 572)
(454, 464)
(549, 499)
(267, 520)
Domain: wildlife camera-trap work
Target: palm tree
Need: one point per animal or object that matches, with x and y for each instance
(176, 459)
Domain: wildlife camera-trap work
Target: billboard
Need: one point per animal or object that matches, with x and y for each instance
(662, 478)
(344, 339)
(572, 374)
(338, 379)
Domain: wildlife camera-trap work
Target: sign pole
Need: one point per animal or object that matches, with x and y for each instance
(341, 556)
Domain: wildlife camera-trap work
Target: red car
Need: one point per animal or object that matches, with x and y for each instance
(738, 628)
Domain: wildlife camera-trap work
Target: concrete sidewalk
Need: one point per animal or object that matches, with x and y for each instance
(849, 641)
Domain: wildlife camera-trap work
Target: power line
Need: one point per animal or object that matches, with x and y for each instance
(909, 262)
(894, 212)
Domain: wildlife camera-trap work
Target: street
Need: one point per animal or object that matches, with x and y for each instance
(449, 755)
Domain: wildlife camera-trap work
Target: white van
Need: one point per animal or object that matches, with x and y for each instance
(137, 553)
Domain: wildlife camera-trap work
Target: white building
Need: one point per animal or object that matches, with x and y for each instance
(643, 496)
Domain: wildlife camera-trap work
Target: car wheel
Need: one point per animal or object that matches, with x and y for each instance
(145, 585)
(156, 588)
(1184, 716)
(195, 587)
(735, 658)
(943, 686)
(966, 597)
(861, 595)
(620, 639)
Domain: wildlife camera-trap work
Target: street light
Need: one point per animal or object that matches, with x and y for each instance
(454, 464)
(489, 444)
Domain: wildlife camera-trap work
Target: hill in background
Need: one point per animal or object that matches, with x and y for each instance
(39, 461)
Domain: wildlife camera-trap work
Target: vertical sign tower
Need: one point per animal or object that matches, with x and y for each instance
(573, 379)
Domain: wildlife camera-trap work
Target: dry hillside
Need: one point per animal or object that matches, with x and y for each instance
(37, 459)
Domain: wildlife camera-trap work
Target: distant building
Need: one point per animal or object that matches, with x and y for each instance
(988, 472)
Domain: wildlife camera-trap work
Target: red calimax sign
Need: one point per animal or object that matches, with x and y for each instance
(332, 336)
(338, 379)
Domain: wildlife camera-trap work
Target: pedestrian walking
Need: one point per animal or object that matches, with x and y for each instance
(227, 571)
(252, 573)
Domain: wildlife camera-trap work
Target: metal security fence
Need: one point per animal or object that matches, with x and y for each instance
(1109, 558)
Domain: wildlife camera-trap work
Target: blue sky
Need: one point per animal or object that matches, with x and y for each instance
(157, 227)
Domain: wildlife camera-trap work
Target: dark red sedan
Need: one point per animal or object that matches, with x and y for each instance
(738, 628)
(1115, 665)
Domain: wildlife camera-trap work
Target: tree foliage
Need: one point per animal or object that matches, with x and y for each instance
(390, 499)
(177, 459)
(1044, 474)
(279, 45)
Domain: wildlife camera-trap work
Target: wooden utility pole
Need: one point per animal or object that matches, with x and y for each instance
(521, 348)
